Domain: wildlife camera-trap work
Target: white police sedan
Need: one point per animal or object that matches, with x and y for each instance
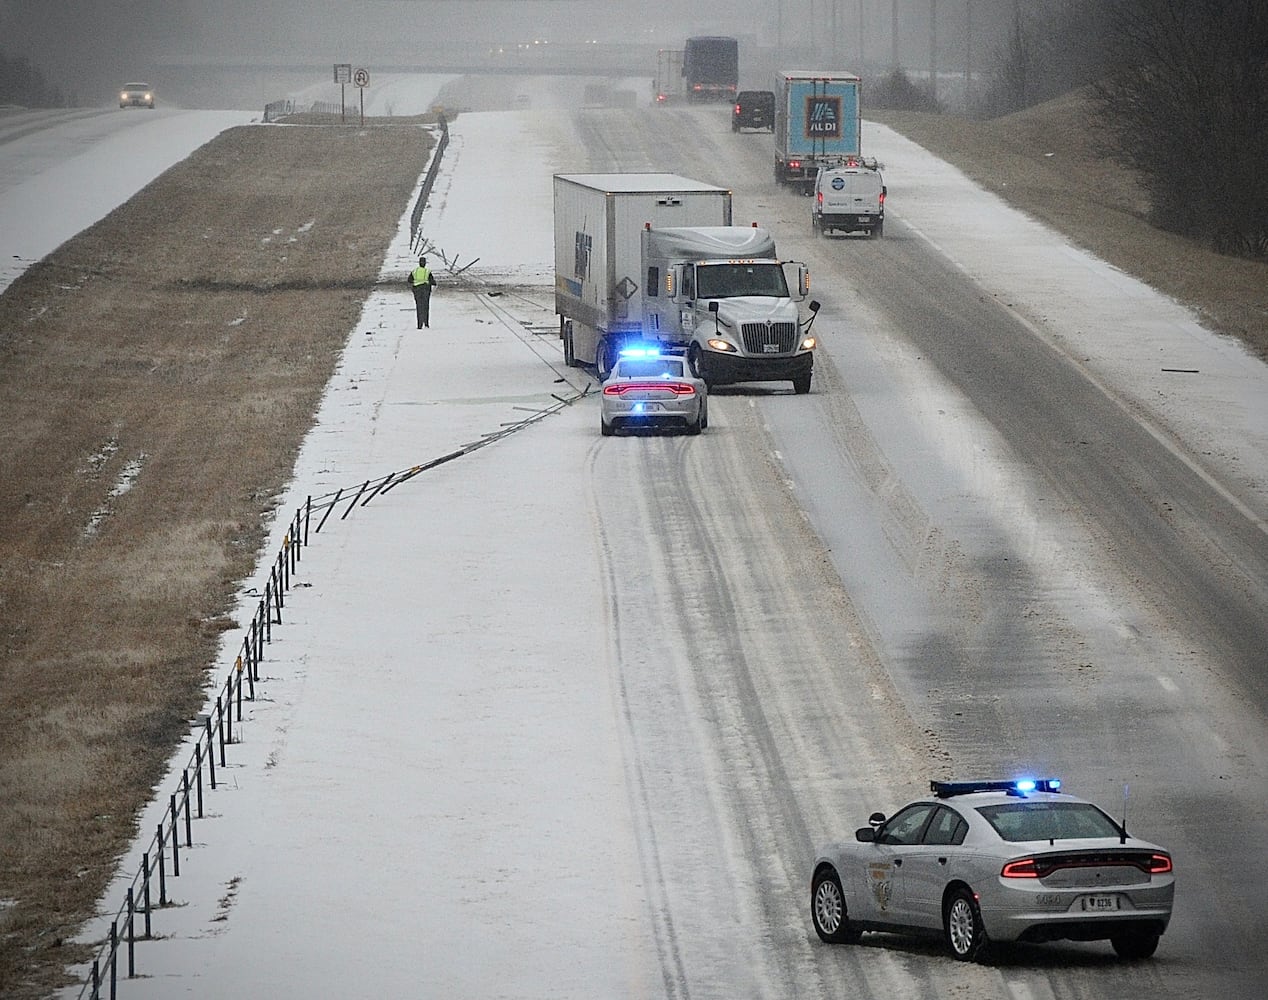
(647, 389)
(983, 861)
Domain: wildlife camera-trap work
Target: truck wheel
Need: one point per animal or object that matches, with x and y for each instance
(694, 355)
(879, 230)
(570, 354)
(801, 384)
(604, 358)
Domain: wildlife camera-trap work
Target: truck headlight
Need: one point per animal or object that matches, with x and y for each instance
(808, 344)
(720, 345)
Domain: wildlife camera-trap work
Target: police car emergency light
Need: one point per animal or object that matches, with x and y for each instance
(1016, 786)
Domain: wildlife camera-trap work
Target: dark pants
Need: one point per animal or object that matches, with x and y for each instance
(422, 304)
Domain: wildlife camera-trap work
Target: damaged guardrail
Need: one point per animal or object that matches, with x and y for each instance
(161, 860)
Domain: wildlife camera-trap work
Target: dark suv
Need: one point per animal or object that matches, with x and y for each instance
(754, 109)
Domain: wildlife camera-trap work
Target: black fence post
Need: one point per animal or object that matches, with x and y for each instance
(228, 696)
(198, 774)
(237, 667)
(189, 838)
(176, 841)
(308, 516)
(162, 868)
(114, 958)
(211, 756)
(131, 937)
(145, 890)
(96, 979)
(220, 729)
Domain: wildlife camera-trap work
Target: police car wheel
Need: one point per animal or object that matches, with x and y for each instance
(1135, 945)
(828, 910)
(962, 922)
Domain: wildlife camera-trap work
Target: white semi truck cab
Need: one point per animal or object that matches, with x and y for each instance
(721, 293)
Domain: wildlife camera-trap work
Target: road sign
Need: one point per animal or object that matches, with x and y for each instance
(361, 77)
(343, 72)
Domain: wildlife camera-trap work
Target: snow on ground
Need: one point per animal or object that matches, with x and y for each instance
(436, 752)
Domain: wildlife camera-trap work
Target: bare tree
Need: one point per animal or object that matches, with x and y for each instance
(1186, 96)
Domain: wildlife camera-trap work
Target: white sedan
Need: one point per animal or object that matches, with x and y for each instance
(647, 389)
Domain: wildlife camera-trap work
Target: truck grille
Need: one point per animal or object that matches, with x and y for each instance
(769, 338)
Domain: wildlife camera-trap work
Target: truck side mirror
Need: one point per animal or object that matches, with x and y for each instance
(713, 305)
(814, 306)
(803, 281)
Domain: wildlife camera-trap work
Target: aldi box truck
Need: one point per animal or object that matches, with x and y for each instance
(817, 123)
(652, 258)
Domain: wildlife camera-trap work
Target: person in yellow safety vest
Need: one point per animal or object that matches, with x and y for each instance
(421, 282)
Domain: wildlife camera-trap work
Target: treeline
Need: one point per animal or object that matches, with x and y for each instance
(23, 84)
(1181, 86)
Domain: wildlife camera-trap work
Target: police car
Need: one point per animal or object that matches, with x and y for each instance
(984, 861)
(648, 389)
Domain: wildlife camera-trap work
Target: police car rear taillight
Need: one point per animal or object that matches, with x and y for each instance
(1160, 864)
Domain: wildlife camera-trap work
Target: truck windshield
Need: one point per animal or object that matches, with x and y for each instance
(722, 281)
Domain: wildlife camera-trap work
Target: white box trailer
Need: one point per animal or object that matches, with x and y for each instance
(599, 219)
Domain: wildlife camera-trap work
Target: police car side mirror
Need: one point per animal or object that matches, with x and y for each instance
(865, 835)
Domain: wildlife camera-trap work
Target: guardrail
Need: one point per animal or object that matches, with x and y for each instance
(217, 731)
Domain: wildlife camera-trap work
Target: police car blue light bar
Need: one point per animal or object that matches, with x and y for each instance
(1014, 786)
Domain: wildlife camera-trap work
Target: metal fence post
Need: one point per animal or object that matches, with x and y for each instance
(211, 756)
(131, 937)
(176, 841)
(198, 774)
(162, 868)
(189, 839)
(145, 890)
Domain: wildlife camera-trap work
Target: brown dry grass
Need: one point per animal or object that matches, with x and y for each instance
(189, 336)
(1081, 192)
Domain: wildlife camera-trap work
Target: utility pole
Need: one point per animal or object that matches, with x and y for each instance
(968, 57)
(933, 49)
(893, 33)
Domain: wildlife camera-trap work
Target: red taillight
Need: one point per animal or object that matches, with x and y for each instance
(882, 197)
(677, 388)
(794, 164)
(819, 198)
(1025, 868)
(1160, 864)
(737, 109)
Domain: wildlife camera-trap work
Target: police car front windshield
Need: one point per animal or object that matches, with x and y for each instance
(1021, 821)
(723, 281)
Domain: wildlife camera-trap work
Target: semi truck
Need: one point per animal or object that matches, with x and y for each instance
(817, 123)
(652, 259)
(711, 68)
(668, 87)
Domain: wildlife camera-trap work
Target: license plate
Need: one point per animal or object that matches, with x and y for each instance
(770, 348)
(865, 218)
(1099, 904)
(645, 407)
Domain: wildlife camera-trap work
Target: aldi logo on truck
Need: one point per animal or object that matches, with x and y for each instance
(823, 116)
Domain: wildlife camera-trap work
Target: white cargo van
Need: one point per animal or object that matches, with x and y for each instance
(849, 198)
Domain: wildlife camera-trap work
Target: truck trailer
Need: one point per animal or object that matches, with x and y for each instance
(711, 68)
(668, 87)
(817, 123)
(653, 260)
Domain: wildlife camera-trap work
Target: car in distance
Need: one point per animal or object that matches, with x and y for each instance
(753, 109)
(136, 95)
(986, 861)
(648, 389)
